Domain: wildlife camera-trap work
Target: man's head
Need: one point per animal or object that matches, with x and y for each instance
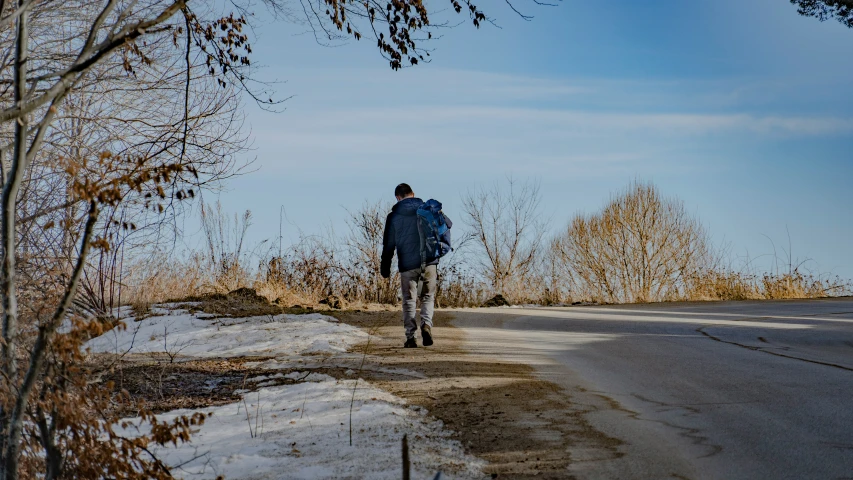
(402, 191)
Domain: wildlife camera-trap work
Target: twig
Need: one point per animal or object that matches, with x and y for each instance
(352, 399)
(257, 413)
(406, 465)
(248, 418)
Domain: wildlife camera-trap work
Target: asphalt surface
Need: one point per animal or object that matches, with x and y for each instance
(736, 390)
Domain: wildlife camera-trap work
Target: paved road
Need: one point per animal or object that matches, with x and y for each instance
(720, 391)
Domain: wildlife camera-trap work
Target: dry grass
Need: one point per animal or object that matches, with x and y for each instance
(731, 285)
(159, 278)
(720, 285)
(797, 285)
(181, 280)
(583, 264)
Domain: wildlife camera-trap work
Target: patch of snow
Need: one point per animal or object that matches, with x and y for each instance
(301, 431)
(185, 334)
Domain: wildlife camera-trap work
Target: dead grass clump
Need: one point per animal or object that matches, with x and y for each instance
(722, 285)
(154, 279)
(732, 285)
(281, 294)
(797, 285)
(458, 287)
(243, 302)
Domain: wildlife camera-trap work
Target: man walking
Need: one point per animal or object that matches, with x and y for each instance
(417, 276)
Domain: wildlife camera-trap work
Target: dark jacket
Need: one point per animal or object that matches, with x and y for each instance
(401, 234)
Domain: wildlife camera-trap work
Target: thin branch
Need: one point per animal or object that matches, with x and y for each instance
(8, 19)
(67, 77)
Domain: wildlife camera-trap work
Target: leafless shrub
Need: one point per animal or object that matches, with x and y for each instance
(640, 248)
(167, 112)
(553, 277)
(320, 266)
(221, 266)
(364, 243)
(310, 269)
(508, 230)
(644, 248)
(459, 285)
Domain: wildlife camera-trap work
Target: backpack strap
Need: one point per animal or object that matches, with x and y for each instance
(421, 240)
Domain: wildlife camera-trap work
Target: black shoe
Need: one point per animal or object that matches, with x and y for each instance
(426, 332)
(410, 343)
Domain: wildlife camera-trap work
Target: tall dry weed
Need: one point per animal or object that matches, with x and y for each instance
(161, 277)
(795, 284)
(715, 284)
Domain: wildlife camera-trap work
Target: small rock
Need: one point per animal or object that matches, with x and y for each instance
(334, 301)
(496, 301)
(247, 293)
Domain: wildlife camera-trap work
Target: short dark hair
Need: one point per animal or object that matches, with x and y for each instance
(403, 190)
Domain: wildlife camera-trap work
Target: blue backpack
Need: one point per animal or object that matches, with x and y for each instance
(434, 228)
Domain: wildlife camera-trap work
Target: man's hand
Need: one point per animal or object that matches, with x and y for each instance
(385, 272)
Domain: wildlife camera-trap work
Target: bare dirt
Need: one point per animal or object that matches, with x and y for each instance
(501, 412)
(163, 385)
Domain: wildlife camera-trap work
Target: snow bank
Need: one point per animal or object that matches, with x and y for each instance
(192, 335)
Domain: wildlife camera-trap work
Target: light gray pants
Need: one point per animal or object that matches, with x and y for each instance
(417, 284)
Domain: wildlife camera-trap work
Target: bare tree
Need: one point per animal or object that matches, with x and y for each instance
(366, 227)
(81, 139)
(171, 111)
(506, 223)
(556, 281)
(640, 248)
(458, 284)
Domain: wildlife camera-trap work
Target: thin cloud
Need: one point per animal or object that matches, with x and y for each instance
(502, 120)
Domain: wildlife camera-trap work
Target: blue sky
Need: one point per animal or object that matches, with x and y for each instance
(740, 108)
